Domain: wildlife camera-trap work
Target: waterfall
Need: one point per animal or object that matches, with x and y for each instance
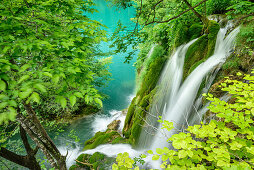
(168, 83)
(175, 100)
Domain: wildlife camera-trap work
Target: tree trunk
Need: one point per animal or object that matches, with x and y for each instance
(30, 152)
(28, 161)
(38, 134)
(25, 161)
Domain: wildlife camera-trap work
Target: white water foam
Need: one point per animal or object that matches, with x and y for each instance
(72, 149)
(130, 97)
(112, 150)
(101, 121)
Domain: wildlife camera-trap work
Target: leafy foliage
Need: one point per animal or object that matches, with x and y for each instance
(147, 32)
(223, 143)
(47, 55)
(218, 6)
(240, 7)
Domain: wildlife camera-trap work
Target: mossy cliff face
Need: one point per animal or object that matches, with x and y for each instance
(202, 49)
(140, 104)
(95, 161)
(197, 53)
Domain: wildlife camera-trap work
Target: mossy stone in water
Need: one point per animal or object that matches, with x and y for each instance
(101, 138)
(95, 161)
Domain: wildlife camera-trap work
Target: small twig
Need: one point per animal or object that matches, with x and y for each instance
(84, 163)
(241, 159)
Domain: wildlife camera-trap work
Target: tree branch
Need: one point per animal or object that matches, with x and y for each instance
(13, 157)
(177, 16)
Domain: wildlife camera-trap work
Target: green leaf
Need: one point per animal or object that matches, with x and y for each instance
(13, 103)
(98, 101)
(155, 157)
(114, 167)
(73, 100)
(12, 113)
(78, 94)
(159, 151)
(47, 74)
(55, 79)
(35, 97)
(23, 78)
(3, 105)
(143, 156)
(182, 154)
(40, 87)
(24, 67)
(2, 85)
(63, 102)
(26, 93)
(150, 151)
(164, 157)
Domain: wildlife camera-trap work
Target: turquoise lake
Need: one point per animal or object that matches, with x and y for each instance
(120, 89)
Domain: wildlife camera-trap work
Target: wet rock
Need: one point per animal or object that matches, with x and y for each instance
(114, 125)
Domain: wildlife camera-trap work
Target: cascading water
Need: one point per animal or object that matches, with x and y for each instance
(178, 107)
(168, 86)
(175, 100)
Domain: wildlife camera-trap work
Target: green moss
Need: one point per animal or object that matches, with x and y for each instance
(232, 63)
(119, 140)
(89, 109)
(145, 101)
(101, 138)
(196, 65)
(157, 52)
(195, 31)
(202, 49)
(181, 36)
(129, 114)
(95, 161)
(136, 130)
(213, 29)
(73, 167)
(96, 157)
(196, 52)
(140, 105)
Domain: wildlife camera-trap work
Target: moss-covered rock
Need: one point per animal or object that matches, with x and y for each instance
(202, 49)
(95, 161)
(102, 138)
